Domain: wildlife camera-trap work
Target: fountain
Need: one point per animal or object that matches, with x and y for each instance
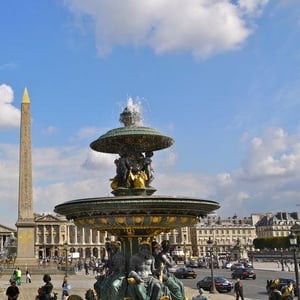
(133, 215)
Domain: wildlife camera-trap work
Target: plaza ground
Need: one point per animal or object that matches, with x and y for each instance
(81, 283)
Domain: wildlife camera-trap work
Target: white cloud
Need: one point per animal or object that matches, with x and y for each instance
(268, 179)
(9, 115)
(252, 7)
(87, 132)
(201, 27)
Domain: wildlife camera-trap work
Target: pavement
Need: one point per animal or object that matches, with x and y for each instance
(80, 283)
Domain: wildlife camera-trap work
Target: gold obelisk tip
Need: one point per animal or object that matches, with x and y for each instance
(25, 96)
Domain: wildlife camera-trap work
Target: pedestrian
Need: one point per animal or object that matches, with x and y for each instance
(66, 288)
(28, 276)
(86, 268)
(238, 289)
(46, 290)
(19, 276)
(12, 292)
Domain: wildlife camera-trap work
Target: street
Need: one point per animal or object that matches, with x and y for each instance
(254, 289)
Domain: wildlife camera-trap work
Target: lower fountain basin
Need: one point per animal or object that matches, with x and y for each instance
(136, 215)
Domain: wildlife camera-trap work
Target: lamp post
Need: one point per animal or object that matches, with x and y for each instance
(210, 243)
(281, 260)
(293, 243)
(66, 251)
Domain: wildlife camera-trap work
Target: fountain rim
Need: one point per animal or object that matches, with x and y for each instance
(120, 205)
(132, 131)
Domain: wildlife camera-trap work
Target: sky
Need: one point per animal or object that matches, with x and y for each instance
(221, 77)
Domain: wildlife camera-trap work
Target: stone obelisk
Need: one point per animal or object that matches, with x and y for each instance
(25, 224)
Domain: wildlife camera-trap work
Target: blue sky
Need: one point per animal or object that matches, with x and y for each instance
(221, 77)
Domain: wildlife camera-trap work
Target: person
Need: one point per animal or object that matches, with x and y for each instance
(12, 292)
(65, 288)
(46, 290)
(18, 276)
(28, 276)
(238, 289)
(142, 282)
(13, 276)
(86, 268)
(201, 296)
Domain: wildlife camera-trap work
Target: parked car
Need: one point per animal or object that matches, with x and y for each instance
(236, 266)
(191, 263)
(243, 273)
(226, 265)
(202, 264)
(222, 284)
(185, 272)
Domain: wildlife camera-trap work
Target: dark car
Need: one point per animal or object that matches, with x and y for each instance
(283, 282)
(202, 264)
(222, 284)
(237, 266)
(185, 272)
(243, 273)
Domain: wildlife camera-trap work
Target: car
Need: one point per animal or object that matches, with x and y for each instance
(222, 284)
(185, 272)
(192, 263)
(202, 264)
(243, 273)
(236, 266)
(281, 283)
(226, 265)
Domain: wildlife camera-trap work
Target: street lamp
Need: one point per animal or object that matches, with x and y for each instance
(210, 243)
(66, 250)
(293, 243)
(281, 260)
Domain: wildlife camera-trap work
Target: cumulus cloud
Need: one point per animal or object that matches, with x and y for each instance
(252, 7)
(201, 27)
(9, 115)
(269, 176)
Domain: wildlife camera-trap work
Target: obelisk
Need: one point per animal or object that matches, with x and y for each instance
(25, 224)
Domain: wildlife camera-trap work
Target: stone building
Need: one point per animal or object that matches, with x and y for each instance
(53, 233)
(231, 236)
(6, 235)
(275, 225)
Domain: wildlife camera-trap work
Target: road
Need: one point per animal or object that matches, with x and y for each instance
(254, 289)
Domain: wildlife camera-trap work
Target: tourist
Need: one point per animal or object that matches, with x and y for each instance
(66, 288)
(28, 276)
(238, 289)
(18, 276)
(12, 292)
(46, 290)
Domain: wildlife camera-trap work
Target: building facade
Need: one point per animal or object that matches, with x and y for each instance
(276, 225)
(231, 236)
(54, 234)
